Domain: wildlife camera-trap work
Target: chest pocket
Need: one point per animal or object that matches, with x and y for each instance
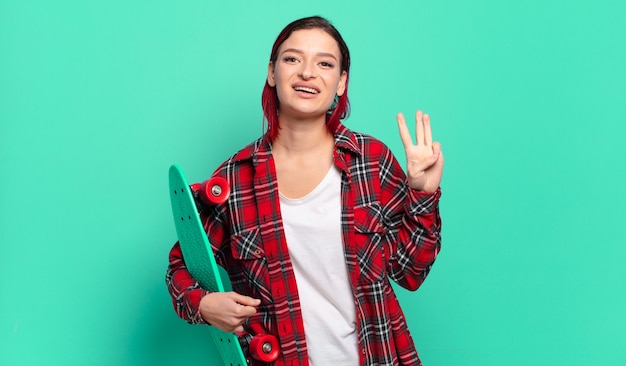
(249, 273)
(246, 245)
(369, 233)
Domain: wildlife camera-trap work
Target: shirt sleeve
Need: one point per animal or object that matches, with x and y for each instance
(185, 291)
(414, 236)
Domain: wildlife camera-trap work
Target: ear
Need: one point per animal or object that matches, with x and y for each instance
(270, 75)
(341, 88)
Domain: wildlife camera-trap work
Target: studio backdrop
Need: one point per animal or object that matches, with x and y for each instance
(528, 99)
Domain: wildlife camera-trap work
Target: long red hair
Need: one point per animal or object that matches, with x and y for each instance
(269, 98)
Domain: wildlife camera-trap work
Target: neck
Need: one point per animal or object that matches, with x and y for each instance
(303, 136)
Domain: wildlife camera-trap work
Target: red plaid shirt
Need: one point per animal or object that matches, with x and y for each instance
(389, 232)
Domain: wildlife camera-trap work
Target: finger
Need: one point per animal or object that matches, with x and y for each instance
(404, 131)
(244, 312)
(245, 300)
(438, 161)
(436, 148)
(428, 134)
(419, 128)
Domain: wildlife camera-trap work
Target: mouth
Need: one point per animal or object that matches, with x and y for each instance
(306, 89)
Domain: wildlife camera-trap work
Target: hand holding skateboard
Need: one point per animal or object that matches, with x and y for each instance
(227, 310)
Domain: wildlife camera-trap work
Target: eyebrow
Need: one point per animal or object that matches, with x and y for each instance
(295, 50)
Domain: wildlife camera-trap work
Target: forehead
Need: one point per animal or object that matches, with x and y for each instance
(312, 41)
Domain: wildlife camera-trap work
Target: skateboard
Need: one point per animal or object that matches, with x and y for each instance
(201, 262)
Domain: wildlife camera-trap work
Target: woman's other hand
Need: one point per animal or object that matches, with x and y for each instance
(424, 160)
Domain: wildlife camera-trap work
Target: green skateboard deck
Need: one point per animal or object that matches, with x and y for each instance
(199, 258)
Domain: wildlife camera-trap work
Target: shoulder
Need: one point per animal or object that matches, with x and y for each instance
(246, 156)
(360, 144)
(372, 145)
(363, 145)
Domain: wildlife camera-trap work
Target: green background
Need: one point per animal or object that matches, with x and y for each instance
(98, 98)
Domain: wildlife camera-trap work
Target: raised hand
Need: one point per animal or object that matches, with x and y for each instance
(227, 311)
(424, 160)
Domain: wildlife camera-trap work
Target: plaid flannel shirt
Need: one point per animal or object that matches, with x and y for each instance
(389, 232)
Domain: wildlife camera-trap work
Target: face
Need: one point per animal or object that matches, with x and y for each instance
(307, 74)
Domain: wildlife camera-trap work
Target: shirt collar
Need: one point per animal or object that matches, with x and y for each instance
(261, 149)
(345, 139)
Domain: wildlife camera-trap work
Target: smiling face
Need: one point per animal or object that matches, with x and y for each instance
(307, 74)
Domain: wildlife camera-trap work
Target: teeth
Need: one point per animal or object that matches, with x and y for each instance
(308, 90)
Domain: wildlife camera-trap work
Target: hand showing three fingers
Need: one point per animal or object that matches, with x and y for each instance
(424, 160)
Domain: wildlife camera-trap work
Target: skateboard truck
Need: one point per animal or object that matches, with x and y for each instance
(213, 191)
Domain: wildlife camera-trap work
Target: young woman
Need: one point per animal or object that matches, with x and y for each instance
(320, 218)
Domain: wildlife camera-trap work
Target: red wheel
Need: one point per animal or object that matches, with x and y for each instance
(264, 347)
(214, 191)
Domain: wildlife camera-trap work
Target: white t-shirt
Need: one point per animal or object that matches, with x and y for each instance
(313, 231)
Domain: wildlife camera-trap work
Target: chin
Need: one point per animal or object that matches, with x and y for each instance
(301, 113)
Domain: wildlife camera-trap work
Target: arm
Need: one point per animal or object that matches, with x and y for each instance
(414, 237)
(185, 291)
(413, 204)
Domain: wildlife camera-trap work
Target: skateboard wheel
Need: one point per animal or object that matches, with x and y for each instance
(214, 191)
(264, 347)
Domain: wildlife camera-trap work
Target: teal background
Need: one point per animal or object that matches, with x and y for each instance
(98, 98)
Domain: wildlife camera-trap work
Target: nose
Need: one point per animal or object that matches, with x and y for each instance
(307, 71)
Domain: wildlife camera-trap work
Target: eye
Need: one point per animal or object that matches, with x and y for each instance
(290, 59)
(326, 64)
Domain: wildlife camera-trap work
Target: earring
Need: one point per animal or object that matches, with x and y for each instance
(334, 105)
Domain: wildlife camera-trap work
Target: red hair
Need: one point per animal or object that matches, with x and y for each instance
(269, 98)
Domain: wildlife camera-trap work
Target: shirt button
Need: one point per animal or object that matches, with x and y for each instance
(257, 251)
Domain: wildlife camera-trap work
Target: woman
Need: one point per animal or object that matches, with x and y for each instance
(319, 219)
